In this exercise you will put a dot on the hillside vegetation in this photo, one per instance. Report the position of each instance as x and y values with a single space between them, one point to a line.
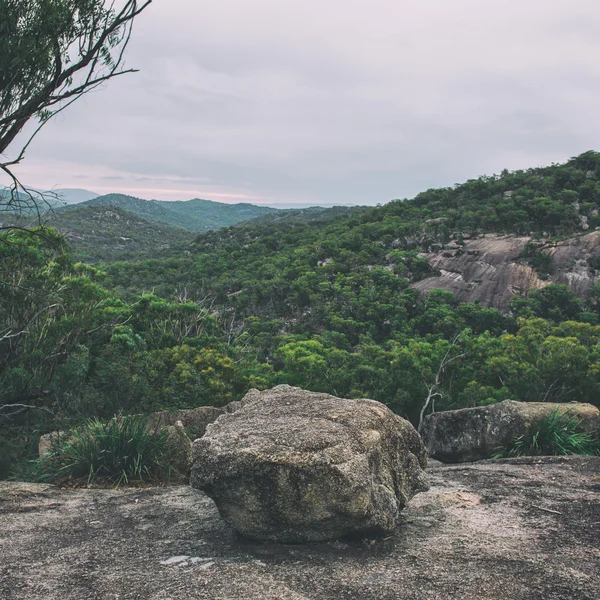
107 233
327 304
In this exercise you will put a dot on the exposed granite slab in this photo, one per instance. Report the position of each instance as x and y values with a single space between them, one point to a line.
516 529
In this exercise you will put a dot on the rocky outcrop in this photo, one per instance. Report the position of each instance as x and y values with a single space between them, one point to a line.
292 466
490 269
475 433
180 446
48 441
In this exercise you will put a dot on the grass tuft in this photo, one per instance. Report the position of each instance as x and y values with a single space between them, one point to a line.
122 450
558 434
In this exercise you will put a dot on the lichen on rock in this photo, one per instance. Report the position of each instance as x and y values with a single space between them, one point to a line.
293 466
476 433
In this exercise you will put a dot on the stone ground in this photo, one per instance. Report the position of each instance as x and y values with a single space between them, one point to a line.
514 529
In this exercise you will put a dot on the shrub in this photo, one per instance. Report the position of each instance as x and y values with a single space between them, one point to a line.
558 434
121 450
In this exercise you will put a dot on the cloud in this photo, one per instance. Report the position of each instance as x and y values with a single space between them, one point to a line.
332 101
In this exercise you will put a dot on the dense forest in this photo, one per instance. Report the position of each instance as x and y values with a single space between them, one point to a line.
323 302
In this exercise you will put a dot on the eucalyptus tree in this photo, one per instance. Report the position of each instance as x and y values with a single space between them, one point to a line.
52 52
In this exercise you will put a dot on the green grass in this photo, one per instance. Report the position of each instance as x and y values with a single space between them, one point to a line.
558 434
120 451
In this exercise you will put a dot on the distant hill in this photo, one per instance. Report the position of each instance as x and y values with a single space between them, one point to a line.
21 203
53 198
109 233
304 215
75 195
193 215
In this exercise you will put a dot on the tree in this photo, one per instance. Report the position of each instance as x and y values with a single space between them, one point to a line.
51 311
420 366
51 53
434 385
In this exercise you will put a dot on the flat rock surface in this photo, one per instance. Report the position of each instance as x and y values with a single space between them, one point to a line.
514 529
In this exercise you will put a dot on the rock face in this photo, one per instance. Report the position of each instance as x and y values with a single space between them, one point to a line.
475 433
295 466
488 269
181 452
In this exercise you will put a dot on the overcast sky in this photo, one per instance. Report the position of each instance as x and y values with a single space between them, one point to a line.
323 101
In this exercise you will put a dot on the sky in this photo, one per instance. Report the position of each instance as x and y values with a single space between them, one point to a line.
331 101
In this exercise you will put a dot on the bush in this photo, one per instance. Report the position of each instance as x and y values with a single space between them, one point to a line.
555 435
122 450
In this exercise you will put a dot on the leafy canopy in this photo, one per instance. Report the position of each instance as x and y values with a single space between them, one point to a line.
51 53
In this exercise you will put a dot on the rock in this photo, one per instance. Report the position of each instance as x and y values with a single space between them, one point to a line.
437 221
475 433
194 420
293 466
15 490
494 263
47 442
483 531
181 452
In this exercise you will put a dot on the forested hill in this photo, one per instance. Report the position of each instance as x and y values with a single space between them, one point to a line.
109 233
193 215
260 263
304 215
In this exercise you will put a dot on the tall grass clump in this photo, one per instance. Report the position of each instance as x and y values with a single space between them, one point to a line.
121 450
557 434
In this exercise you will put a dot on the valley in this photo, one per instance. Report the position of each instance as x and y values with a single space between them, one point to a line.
122 313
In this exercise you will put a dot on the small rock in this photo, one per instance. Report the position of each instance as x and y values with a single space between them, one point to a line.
174 560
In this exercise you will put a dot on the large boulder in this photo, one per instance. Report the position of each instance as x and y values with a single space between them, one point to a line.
293 466
475 433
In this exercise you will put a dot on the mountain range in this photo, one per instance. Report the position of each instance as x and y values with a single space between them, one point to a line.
53 198
193 215
118 227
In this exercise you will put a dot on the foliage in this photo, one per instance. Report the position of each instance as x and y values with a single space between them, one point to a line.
121 450
51 53
538 259
558 434
49 310
325 304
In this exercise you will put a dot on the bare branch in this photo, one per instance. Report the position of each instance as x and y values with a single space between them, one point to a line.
7 411
433 391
